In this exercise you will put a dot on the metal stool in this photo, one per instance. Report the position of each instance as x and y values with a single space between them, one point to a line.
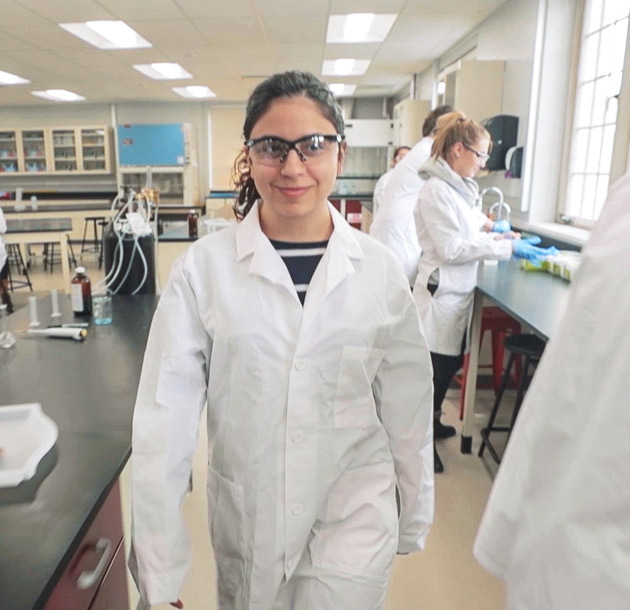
14 257
499 323
50 257
531 348
96 241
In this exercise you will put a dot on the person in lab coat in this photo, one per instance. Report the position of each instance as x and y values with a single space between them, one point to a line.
381 184
5 296
557 524
301 335
455 236
394 224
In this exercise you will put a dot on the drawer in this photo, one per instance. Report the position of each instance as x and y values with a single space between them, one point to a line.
112 594
81 579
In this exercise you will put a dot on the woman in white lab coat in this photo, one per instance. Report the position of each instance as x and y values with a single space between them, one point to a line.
557 524
381 184
318 387
455 236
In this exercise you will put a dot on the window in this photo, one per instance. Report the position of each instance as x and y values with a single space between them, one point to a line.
598 83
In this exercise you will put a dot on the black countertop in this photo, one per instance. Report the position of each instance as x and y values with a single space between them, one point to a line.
89 390
536 298
78 206
38 225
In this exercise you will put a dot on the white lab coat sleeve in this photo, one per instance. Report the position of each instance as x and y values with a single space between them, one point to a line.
171 396
404 396
442 219
3 222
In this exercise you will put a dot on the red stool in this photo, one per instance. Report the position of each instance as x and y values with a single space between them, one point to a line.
499 324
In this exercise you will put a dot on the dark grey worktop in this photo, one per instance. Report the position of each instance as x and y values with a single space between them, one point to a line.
535 298
38 225
89 390
78 206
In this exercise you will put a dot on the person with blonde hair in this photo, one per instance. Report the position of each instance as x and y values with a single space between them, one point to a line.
455 236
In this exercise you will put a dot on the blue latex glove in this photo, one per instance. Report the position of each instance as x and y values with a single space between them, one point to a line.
521 248
533 240
501 226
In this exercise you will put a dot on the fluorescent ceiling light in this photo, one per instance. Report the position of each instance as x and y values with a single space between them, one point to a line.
196 91
359 27
163 71
6 78
340 89
345 67
58 95
107 35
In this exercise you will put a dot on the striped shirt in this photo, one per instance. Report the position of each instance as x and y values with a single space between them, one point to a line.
301 260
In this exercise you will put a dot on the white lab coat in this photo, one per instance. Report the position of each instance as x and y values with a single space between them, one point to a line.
3 250
394 224
315 413
557 524
379 190
449 229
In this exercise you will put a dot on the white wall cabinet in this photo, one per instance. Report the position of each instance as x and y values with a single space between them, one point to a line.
408 118
369 132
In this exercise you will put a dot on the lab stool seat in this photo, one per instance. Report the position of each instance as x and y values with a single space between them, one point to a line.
499 324
93 244
15 259
531 348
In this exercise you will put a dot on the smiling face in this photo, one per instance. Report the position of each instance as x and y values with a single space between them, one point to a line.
465 161
294 191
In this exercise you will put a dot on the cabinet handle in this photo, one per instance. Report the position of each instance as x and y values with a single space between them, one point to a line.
88 579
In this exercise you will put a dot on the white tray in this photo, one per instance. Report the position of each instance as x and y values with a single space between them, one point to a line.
26 435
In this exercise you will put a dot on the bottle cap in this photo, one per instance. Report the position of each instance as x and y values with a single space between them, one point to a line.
80 270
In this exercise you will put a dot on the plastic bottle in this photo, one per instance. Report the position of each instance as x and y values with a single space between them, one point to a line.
81 295
192 223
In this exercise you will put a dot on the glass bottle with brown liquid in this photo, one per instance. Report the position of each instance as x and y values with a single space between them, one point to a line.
193 219
81 293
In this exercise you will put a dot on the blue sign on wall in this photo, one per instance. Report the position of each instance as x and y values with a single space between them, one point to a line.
151 145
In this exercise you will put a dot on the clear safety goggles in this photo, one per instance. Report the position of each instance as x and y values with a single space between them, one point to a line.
270 150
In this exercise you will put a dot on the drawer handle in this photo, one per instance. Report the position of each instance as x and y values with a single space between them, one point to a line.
88 579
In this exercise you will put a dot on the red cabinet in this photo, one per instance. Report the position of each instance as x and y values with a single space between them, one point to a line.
350 209
94 572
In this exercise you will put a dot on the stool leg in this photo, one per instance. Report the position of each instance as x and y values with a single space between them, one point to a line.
71 259
95 235
485 433
520 393
52 256
85 226
498 354
462 396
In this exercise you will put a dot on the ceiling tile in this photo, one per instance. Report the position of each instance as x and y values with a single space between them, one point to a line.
181 32
67 11
282 30
291 8
343 7
216 9
231 31
142 9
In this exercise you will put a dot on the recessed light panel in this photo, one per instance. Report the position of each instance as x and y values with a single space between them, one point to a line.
6 78
107 35
163 71
195 91
345 67
58 95
341 89
358 27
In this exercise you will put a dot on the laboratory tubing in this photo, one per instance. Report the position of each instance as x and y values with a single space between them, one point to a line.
7 338
81 293
32 311
192 223
102 309
54 303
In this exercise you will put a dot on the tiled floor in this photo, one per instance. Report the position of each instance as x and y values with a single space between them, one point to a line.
443 577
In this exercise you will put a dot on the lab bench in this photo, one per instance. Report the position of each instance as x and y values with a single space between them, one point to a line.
49 524
535 298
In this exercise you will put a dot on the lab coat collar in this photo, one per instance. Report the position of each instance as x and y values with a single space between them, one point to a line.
337 262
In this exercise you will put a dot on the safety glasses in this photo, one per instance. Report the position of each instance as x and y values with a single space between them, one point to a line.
480 155
273 151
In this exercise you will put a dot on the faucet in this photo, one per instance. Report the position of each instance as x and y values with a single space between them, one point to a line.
500 206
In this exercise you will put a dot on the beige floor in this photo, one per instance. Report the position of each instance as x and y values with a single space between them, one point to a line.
443 577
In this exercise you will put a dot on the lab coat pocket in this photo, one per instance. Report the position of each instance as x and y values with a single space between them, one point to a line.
226 510
354 405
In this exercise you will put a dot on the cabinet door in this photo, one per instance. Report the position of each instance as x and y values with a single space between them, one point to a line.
9 151
34 149
94 149
64 147
112 594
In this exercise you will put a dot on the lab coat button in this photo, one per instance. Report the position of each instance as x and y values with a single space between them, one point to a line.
297 509
298 437
299 365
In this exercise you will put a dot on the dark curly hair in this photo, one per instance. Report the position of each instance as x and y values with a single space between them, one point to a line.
286 84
